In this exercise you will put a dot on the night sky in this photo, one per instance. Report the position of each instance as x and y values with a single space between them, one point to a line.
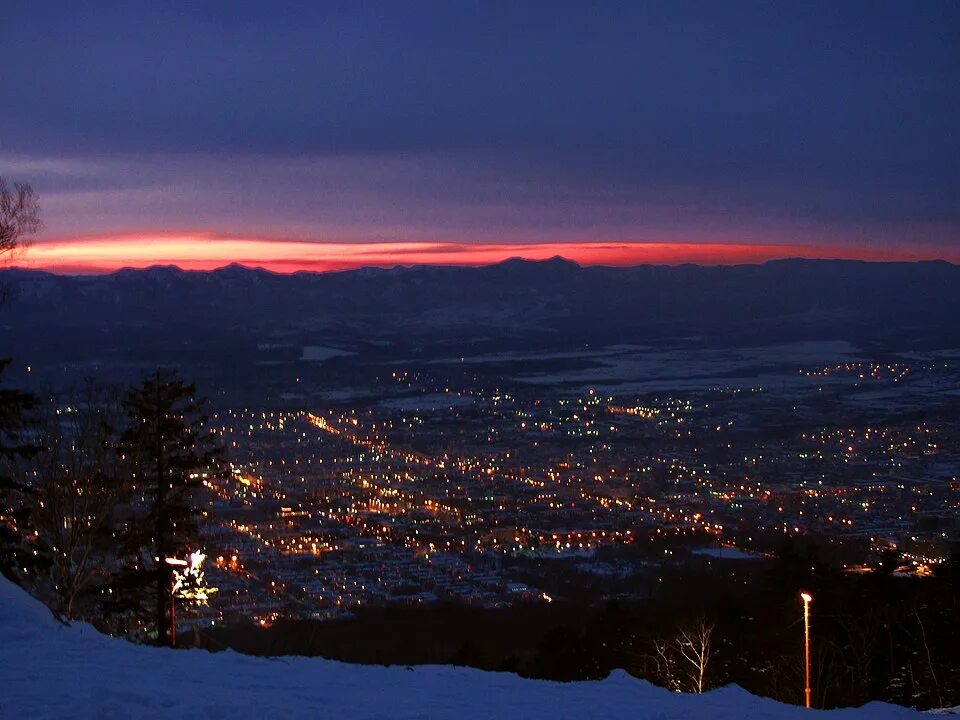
326 135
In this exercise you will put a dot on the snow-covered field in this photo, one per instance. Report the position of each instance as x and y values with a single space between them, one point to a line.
320 353
48 670
728 553
428 402
625 368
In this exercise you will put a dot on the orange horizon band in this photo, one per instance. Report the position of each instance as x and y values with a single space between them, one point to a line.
206 251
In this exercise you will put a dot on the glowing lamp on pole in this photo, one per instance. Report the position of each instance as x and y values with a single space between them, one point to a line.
807 599
174 562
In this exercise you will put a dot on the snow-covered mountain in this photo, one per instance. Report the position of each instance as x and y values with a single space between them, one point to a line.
48 670
793 299
72 327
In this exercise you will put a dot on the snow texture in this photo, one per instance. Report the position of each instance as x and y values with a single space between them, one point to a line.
49 670
728 553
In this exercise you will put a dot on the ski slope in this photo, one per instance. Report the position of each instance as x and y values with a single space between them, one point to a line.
49 670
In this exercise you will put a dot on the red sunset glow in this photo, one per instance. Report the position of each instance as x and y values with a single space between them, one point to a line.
204 251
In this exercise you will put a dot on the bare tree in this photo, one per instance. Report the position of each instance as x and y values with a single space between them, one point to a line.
665 661
77 491
681 662
693 644
930 664
19 216
857 647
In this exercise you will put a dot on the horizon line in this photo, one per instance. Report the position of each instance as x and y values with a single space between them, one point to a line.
413 266
204 251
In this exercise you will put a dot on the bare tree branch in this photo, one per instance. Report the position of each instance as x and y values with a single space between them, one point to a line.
694 645
77 491
19 216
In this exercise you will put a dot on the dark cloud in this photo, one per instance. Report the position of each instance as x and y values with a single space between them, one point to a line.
829 111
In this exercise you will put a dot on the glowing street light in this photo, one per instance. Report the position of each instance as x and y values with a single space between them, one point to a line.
174 562
187 583
807 599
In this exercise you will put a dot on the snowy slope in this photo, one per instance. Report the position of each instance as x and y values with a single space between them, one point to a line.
48 670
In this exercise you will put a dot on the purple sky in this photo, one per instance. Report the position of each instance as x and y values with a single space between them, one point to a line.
816 124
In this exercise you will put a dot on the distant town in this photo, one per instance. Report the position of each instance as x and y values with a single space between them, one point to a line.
458 491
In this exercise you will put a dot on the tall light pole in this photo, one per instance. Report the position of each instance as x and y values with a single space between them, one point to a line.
807 599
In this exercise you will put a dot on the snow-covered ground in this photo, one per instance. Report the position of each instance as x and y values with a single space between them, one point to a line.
728 553
320 353
48 670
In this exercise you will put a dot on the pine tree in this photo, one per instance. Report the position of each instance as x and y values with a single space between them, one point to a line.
168 450
18 555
